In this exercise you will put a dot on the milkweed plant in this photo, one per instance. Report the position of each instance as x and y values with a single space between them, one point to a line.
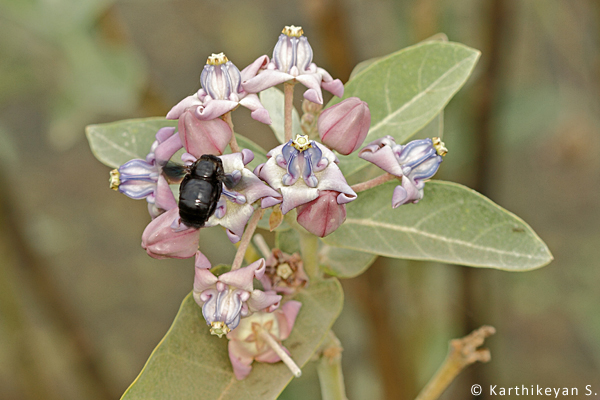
347 183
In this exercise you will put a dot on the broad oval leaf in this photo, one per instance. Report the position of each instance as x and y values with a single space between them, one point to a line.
115 143
344 263
190 364
407 89
273 100
452 224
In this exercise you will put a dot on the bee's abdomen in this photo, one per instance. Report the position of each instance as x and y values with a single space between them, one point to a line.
198 199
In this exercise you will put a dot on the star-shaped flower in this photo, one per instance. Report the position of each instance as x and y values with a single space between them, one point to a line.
229 297
322 191
222 92
292 61
414 163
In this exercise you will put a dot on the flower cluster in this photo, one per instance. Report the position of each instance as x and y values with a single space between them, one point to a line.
300 177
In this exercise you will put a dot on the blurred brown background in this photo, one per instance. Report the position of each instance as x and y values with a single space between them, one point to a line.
82 305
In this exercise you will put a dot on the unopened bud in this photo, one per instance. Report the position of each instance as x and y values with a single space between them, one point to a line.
344 126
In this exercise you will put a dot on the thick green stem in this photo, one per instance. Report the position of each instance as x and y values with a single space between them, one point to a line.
329 370
288 91
309 247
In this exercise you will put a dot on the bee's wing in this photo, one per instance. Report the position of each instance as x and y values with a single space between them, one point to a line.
174 172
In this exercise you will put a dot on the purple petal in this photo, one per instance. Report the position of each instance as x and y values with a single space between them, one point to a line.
259 112
164 133
251 70
179 108
265 80
290 311
168 147
292 197
242 278
137 189
203 280
138 170
247 156
313 83
242 364
201 261
380 153
164 198
260 300
335 87
214 108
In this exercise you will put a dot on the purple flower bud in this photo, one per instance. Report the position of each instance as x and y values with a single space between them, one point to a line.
323 215
344 126
203 137
161 241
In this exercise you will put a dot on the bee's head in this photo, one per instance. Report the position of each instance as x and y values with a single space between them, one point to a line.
208 166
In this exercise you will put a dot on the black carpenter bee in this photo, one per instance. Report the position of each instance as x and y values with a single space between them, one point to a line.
200 189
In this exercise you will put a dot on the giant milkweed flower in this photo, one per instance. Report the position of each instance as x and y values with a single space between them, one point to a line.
142 179
292 61
317 166
414 163
222 92
226 298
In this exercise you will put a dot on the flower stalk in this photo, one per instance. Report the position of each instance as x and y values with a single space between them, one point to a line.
380 180
309 247
235 148
288 92
246 237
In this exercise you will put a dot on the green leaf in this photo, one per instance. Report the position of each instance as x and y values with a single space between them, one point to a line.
273 100
452 224
191 364
115 143
344 263
407 89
